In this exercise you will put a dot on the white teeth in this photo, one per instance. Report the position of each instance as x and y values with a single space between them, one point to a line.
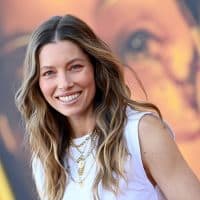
69 98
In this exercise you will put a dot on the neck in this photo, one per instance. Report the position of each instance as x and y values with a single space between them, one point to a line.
81 126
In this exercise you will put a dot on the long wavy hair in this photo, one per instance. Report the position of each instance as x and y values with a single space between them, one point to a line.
48 132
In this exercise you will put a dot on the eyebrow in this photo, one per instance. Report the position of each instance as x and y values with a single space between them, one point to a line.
68 63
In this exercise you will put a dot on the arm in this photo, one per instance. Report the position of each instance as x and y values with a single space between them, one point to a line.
164 161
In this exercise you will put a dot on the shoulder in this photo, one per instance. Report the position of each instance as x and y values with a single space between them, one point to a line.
154 130
148 132
153 125
155 136
133 114
158 150
147 121
164 161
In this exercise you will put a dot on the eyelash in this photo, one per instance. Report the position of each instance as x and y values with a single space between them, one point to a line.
76 67
47 73
138 42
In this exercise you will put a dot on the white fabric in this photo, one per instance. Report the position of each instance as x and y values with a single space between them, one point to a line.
138 188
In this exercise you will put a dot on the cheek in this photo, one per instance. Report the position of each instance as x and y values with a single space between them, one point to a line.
90 87
46 88
87 79
89 84
93 88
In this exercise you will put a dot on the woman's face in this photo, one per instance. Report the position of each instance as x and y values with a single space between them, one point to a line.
154 38
67 78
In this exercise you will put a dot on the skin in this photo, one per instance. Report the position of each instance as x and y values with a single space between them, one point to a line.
164 161
65 70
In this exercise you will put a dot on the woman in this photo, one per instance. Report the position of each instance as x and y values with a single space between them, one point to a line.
88 139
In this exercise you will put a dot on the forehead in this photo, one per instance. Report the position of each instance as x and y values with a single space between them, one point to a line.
60 51
63 46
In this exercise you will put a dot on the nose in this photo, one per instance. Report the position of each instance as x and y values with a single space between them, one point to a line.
65 81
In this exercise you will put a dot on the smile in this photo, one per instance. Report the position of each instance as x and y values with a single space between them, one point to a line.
69 98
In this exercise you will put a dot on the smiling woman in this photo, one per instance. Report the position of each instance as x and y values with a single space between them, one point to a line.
67 79
88 139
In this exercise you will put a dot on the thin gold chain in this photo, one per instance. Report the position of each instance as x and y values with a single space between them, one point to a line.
92 138
81 144
81 160
81 180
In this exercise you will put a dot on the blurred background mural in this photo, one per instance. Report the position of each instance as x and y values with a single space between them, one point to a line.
160 40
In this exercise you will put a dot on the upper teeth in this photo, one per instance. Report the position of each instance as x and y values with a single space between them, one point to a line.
69 98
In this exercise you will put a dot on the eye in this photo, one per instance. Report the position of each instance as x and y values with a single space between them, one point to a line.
138 43
48 73
76 67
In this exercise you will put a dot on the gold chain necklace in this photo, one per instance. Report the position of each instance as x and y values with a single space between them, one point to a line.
81 160
80 181
82 143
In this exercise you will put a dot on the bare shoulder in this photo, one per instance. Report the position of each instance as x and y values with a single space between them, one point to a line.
162 158
153 129
158 148
156 141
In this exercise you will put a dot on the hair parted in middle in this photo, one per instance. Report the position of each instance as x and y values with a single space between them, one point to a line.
48 131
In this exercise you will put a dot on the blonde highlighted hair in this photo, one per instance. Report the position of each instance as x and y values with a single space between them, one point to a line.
48 132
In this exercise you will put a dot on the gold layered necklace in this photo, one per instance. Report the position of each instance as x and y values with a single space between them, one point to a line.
83 156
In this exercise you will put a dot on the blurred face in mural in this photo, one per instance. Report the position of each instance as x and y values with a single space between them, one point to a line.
155 39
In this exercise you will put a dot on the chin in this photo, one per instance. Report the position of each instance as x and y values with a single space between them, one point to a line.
72 112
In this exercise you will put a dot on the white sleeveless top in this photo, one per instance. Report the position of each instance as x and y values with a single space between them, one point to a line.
138 188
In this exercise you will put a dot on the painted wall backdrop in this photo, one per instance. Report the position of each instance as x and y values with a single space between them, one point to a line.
159 40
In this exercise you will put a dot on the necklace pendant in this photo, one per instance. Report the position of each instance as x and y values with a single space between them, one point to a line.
81 183
81 167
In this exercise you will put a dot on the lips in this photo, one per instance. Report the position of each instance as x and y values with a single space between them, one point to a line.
69 98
